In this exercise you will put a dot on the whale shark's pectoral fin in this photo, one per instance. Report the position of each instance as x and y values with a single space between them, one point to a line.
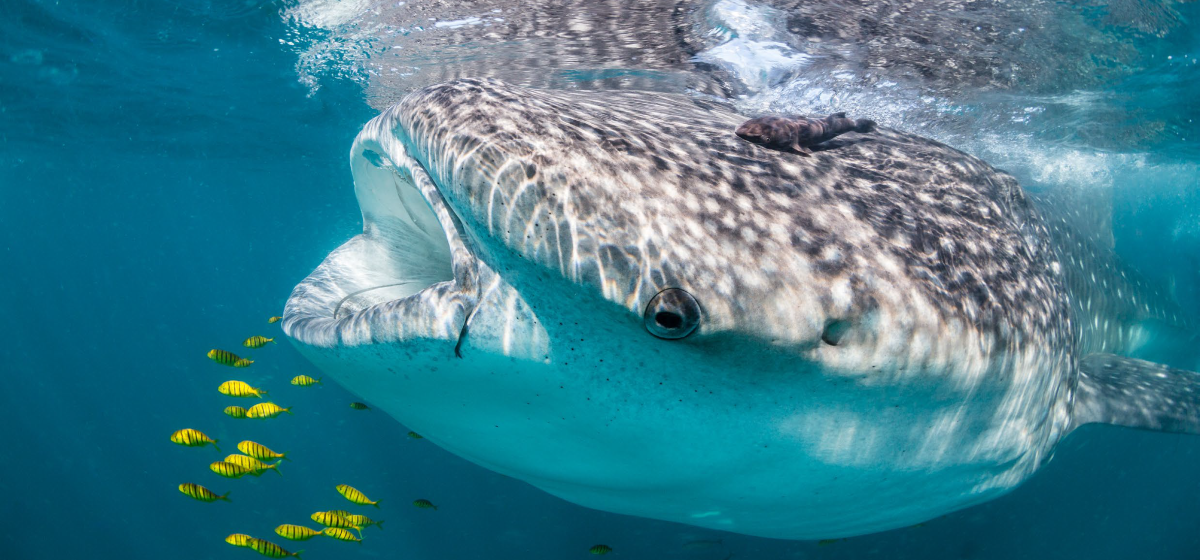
1137 394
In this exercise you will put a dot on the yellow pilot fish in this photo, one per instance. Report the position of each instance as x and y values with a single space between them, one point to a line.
238 539
296 532
257 341
235 388
355 496
270 549
193 438
228 358
253 465
201 493
266 410
424 504
235 411
362 520
228 470
304 381
331 519
260 451
341 534
274 319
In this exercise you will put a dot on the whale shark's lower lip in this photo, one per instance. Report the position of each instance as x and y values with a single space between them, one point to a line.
408 275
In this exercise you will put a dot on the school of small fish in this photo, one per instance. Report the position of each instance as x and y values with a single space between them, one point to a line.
255 459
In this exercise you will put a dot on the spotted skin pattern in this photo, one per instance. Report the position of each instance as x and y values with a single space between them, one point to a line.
890 329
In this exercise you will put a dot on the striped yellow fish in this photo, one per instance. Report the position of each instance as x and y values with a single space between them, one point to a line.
193 438
341 534
600 549
228 470
266 410
296 532
253 465
235 388
362 520
235 411
304 381
274 319
330 519
424 504
355 496
228 358
257 341
238 539
359 406
415 435
260 451
270 549
201 493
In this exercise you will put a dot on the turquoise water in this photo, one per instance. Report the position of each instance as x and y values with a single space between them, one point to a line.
166 178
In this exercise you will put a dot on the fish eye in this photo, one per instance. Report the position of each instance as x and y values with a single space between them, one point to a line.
672 314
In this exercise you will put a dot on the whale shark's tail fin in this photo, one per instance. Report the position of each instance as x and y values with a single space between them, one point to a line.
1137 394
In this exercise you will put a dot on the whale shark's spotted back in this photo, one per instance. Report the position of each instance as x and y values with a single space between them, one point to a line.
874 214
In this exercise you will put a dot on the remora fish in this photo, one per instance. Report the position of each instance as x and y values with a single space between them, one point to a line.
741 339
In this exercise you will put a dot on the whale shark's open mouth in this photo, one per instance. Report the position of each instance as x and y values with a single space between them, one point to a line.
393 281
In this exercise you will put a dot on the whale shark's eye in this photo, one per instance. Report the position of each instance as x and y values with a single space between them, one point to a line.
672 314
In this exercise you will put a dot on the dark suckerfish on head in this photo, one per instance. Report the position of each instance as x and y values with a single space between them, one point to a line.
800 134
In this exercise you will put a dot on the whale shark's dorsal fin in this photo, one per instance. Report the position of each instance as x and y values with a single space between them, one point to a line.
1137 394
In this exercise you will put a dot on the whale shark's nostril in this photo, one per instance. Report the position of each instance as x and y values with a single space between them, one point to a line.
672 314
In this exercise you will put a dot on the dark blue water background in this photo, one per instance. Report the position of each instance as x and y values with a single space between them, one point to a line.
165 181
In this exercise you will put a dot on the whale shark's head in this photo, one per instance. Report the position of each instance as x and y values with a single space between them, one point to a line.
613 297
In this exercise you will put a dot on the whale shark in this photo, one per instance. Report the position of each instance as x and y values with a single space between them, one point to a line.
612 297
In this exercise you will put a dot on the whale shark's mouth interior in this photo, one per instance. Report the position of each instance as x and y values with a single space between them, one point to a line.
403 249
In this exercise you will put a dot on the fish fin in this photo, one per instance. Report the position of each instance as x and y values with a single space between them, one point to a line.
1136 394
275 468
297 553
839 115
225 497
288 410
214 442
284 457
376 504
801 150
379 524
272 341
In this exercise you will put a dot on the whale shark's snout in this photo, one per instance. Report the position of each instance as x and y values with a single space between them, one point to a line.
614 298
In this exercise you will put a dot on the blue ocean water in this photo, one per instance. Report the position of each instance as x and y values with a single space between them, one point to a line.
166 178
